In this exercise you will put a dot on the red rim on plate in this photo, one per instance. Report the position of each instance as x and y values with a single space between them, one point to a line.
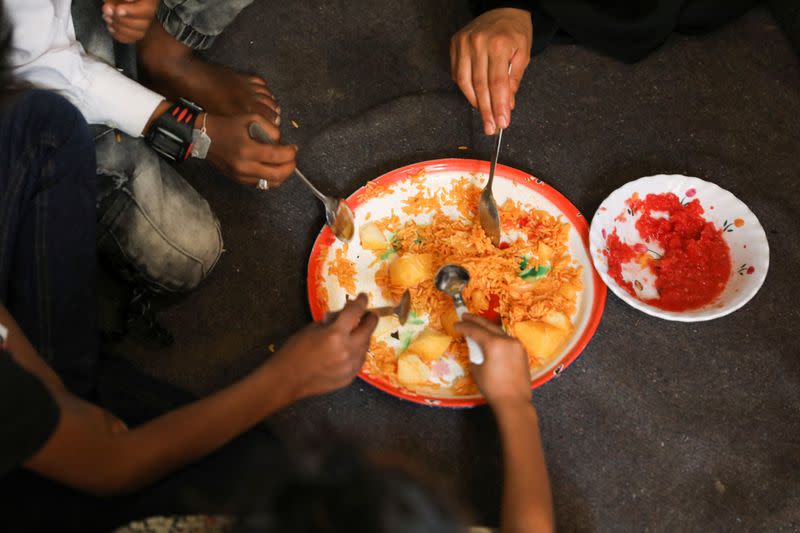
571 213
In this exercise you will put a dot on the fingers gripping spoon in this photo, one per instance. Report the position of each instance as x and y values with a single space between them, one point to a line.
338 214
452 280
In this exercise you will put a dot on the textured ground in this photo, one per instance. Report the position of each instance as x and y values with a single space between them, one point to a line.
659 426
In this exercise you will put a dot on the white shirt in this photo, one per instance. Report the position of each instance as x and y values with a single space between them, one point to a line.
45 53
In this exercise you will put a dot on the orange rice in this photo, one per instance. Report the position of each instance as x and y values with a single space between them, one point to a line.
344 270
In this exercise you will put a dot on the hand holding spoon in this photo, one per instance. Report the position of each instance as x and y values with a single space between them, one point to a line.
338 214
452 280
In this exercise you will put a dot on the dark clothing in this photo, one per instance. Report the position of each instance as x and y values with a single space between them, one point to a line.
28 414
47 232
625 30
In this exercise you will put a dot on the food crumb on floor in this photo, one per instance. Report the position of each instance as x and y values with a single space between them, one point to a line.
720 486
462 148
295 124
271 348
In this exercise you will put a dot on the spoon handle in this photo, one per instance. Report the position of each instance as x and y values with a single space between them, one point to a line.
475 352
258 134
310 185
495 157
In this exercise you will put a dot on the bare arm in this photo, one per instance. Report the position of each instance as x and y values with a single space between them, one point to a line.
527 503
504 379
94 451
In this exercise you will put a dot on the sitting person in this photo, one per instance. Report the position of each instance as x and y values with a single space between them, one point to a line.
506 33
153 226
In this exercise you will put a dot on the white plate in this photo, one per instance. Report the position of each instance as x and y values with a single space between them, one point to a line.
741 230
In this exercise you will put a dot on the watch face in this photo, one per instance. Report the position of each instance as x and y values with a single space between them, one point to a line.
167 144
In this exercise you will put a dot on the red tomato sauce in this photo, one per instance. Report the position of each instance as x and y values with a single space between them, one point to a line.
696 263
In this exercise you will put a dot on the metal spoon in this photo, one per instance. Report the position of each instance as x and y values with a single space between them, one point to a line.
452 280
401 310
487 207
338 214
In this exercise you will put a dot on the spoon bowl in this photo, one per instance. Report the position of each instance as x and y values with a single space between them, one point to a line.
402 310
452 280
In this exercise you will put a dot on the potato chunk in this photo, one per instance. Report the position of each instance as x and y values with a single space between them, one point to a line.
539 338
557 319
410 270
412 371
430 345
449 320
372 237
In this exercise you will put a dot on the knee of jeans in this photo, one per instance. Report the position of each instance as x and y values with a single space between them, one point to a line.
156 257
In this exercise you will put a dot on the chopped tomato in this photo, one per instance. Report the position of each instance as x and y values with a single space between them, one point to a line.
492 313
503 245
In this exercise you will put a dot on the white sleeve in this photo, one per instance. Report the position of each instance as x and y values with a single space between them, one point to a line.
46 54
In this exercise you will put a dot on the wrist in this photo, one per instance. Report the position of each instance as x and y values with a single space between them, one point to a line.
160 109
289 382
512 407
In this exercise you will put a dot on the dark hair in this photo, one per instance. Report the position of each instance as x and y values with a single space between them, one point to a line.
338 489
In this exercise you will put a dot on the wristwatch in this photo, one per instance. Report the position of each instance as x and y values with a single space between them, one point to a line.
172 134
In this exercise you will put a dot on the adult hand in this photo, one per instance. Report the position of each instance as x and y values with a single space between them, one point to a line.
480 54
243 159
326 356
128 20
504 377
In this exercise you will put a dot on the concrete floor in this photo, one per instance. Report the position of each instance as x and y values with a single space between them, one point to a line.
658 426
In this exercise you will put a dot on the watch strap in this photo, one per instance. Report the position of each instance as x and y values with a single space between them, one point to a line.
171 134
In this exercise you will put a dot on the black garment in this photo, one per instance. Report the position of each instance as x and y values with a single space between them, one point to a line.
625 30
47 231
28 414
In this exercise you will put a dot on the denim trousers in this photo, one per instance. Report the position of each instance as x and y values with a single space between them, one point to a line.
154 228
47 231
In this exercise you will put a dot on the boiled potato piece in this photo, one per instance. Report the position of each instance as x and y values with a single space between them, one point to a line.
543 252
386 325
410 270
449 320
430 344
372 237
557 319
411 371
539 338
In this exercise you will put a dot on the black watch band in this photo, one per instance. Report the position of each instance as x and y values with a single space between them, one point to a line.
171 133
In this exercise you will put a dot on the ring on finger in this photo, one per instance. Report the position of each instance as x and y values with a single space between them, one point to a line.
262 185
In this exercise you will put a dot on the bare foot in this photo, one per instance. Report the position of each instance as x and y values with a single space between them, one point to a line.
172 69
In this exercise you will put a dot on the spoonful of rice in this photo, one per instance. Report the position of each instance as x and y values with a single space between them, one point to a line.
452 280
338 214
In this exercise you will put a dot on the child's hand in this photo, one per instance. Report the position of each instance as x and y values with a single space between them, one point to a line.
128 20
504 377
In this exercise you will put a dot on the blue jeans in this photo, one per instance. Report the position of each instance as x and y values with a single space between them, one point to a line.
153 227
47 231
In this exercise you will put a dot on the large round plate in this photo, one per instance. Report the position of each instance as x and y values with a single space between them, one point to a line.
740 229
509 183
